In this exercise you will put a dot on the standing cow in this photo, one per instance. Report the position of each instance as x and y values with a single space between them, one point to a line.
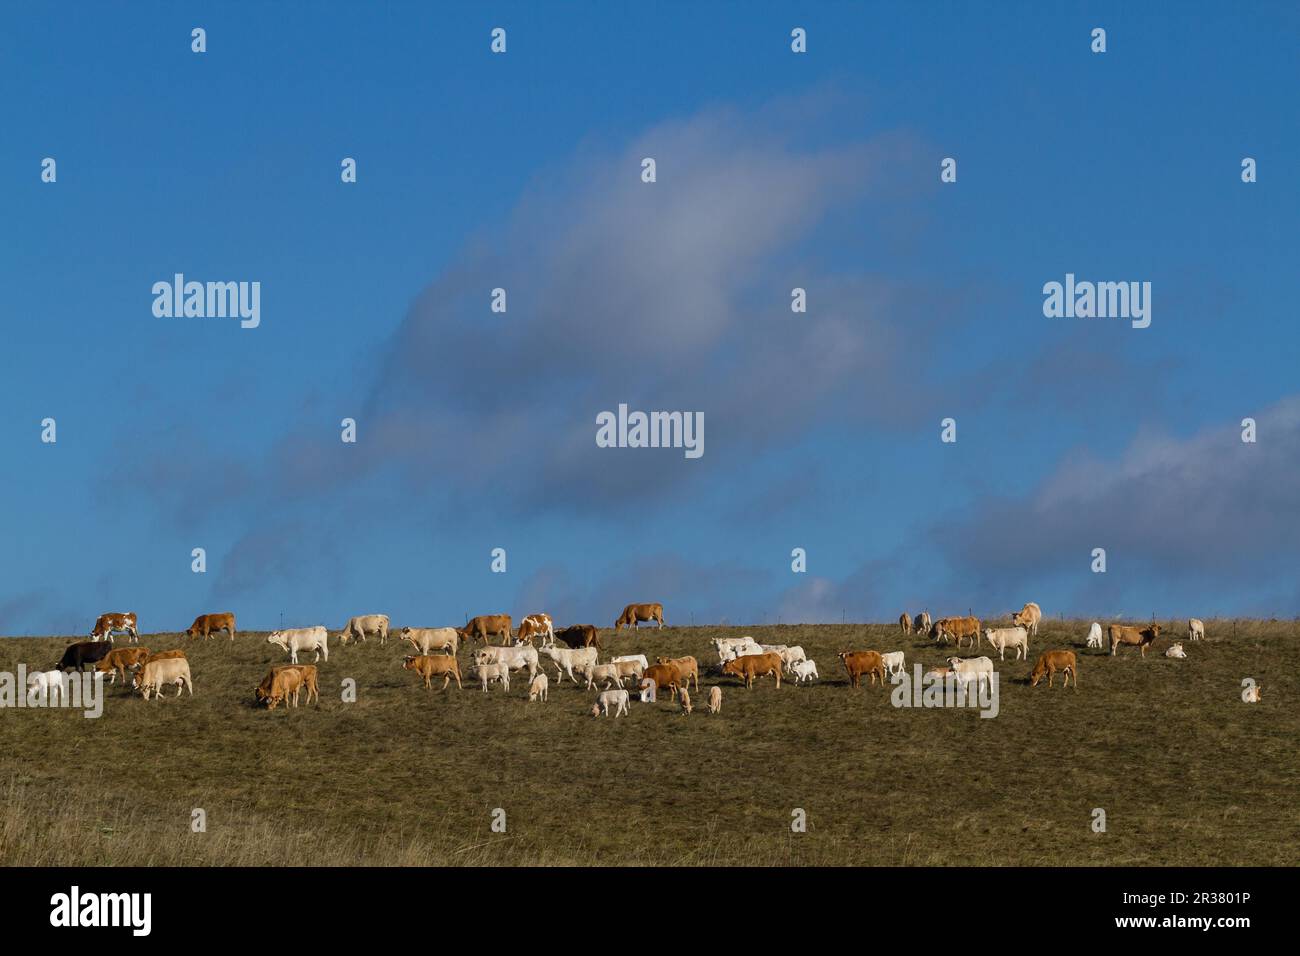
205 625
634 614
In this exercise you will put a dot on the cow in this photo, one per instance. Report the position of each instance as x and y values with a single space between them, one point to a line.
578 635
751 666
978 669
40 683
1140 637
537 689
429 666
715 700
957 628
1028 618
485 625
858 663
805 671
634 614
895 663
922 624
358 628
298 639
1252 694
566 659
664 676
271 691
1000 638
536 625
1049 662
426 639
1176 651
77 655
1195 629
607 673
793 655
155 675
629 667
118 662
175 652
516 658
205 625
686 702
937 674
905 622
106 625
742 649
607 699
488 673
1094 635
687 666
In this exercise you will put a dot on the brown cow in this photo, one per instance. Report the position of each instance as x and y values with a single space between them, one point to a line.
664 675
164 655
106 624
755 665
280 684
534 625
635 613
1140 637
579 635
429 666
119 661
209 624
687 666
485 625
957 628
905 622
309 681
1049 662
858 663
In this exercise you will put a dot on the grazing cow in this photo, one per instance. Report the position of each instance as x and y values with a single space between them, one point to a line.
106 625
687 666
1094 635
271 691
537 689
1049 662
608 673
633 668
205 625
298 639
607 699
487 673
358 628
686 702
905 622
634 614
516 658
958 629
77 655
922 623
978 669
566 659
1140 637
427 639
155 675
536 625
485 625
118 662
429 666
1000 638
1195 629
804 671
793 655
1176 650
1028 618
858 663
1252 694
715 700
894 663
664 676
578 635
41 683
751 666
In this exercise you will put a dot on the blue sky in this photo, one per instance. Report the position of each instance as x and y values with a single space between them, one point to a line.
775 170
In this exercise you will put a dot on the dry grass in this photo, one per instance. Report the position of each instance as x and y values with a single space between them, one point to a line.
1187 773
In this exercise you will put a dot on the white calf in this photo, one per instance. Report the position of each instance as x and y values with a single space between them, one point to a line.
1177 651
610 698
804 671
1094 635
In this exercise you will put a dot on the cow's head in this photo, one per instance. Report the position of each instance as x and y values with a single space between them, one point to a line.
953 662
408 663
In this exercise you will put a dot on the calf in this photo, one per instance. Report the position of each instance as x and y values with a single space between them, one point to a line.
1049 662
488 673
805 671
686 702
1195 629
894 663
41 683
905 622
979 669
298 639
1094 635
793 655
519 657
118 662
607 699
537 689
1176 650
858 663
715 700
608 673
429 666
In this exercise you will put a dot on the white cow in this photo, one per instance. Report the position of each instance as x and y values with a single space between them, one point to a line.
894 663
607 699
598 673
155 675
516 657
804 671
775 648
1176 650
488 673
979 669
793 655
42 682
357 628
1094 635
297 639
427 639
1000 638
729 648
567 658
537 689
1195 629
639 658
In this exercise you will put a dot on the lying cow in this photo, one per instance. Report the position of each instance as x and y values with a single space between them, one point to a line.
429 666
1049 662
1176 651
1139 637
363 626
607 699
425 640
298 639
1000 638
205 625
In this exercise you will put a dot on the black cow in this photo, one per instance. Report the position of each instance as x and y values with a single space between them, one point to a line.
83 652
579 635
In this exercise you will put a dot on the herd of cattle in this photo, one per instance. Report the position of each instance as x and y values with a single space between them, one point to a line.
574 652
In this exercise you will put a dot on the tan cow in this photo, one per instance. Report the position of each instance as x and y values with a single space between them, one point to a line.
664 675
1195 629
751 666
120 660
1049 662
905 622
687 666
1139 637
485 625
858 663
157 674
426 639
206 625
429 666
958 629
364 625
715 699
1028 618
633 614
271 692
